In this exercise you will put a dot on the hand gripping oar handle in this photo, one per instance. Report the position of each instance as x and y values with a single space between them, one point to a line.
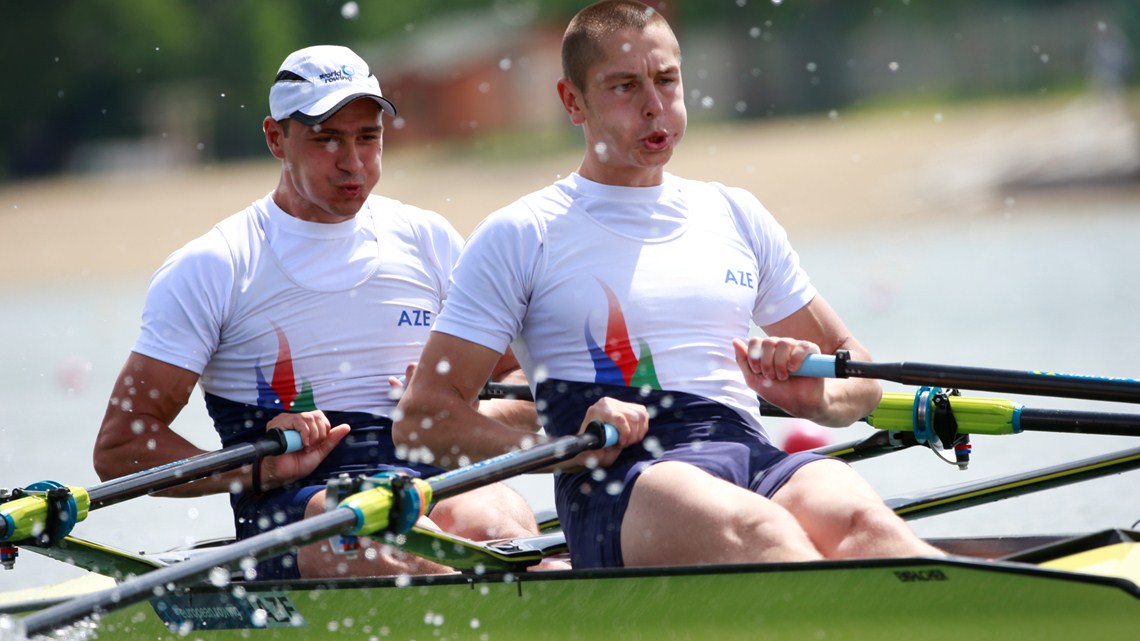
23 517
340 520
1123 390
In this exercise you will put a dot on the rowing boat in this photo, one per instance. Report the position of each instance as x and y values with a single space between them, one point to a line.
1063 586
1067 588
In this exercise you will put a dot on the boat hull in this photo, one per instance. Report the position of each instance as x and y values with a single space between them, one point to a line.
948 599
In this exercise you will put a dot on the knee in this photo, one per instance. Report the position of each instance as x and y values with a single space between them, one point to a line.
873 520
494 512
770 536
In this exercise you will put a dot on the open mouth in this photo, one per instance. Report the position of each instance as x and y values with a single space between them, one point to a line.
657 140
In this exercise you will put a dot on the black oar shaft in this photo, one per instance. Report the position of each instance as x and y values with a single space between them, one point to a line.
147 585
1030 420
982 492
310 529
1078 422
179 472
996 380
515 463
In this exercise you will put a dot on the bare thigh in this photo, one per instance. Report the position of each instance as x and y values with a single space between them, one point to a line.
679 514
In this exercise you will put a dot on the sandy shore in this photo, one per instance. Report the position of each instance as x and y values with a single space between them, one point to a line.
824 174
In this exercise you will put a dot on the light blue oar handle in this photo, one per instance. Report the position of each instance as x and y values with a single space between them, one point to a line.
605 433
292 441
817 366
612 435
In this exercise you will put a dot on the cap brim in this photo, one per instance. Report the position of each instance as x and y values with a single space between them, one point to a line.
310 119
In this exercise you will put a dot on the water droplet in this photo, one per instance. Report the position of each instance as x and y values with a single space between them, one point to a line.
219 577
653 446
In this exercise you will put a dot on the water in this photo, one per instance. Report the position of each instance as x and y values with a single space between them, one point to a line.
1040 289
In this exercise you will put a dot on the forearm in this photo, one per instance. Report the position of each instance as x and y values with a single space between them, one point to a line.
519 415
848 401
456 434
119 452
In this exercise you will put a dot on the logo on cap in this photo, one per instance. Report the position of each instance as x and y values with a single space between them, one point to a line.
344 73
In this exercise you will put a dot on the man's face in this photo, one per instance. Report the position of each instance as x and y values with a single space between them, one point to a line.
330 169
632 108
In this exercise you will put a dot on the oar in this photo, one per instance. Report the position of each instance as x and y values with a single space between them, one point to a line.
47 511
1038 383
364 513
969 494
975 415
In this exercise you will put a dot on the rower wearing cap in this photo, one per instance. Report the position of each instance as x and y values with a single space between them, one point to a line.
296 312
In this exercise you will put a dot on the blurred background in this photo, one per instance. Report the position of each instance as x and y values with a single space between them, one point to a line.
960 179
103 85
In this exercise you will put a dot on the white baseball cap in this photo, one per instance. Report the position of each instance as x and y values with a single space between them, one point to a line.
315 82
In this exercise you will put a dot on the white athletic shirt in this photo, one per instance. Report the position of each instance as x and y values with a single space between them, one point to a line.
275 311
628 285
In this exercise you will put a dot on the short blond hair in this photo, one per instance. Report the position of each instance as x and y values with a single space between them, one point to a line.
581 42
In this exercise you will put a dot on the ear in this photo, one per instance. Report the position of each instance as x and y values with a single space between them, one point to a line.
572 101
274 137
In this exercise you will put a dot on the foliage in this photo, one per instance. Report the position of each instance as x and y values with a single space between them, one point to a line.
93 71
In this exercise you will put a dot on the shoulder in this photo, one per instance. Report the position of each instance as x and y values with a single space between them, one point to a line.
526 217
743 204
737 197
401 216
216 247
217 253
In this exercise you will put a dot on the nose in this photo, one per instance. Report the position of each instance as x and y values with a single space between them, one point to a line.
349 157
654 105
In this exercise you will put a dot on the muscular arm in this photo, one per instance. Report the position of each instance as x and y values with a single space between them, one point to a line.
520 414
135 434
437 410
767 363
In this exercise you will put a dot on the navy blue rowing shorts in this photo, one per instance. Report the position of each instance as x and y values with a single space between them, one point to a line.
693 430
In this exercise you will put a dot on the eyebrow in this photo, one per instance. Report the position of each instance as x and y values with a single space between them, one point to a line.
334 130
619 75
